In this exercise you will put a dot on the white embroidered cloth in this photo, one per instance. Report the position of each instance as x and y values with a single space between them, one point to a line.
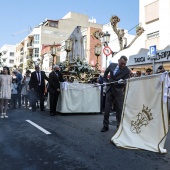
144 123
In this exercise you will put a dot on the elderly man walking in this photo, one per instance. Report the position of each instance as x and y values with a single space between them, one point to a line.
55 77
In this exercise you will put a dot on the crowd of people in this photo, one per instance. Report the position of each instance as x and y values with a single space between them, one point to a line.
149 71
29 90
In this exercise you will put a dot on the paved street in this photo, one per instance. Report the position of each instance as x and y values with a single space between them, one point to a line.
75 142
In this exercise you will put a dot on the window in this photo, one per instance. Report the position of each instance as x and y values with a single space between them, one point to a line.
4 60
11 61
153 35
53 24
36 52
11 54
36 38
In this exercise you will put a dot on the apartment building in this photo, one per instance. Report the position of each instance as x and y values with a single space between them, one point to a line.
153 16
48 33
7 55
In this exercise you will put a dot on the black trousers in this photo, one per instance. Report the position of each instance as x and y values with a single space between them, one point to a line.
13 102
19 94
53 101
37 95
110 97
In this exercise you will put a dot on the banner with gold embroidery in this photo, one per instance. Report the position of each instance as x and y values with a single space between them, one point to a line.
144 123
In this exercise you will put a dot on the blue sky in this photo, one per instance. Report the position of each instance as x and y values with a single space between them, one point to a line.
17 16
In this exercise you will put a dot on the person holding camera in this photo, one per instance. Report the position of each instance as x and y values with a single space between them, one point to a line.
115 91
160 69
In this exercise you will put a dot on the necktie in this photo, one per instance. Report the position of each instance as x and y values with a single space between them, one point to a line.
116 70
38 76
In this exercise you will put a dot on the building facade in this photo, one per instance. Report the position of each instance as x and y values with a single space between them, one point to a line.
7 56
153 16
48 33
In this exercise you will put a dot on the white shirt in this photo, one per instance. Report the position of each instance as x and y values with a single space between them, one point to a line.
116 69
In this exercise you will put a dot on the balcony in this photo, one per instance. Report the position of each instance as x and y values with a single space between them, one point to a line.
30 45
28 57
22 50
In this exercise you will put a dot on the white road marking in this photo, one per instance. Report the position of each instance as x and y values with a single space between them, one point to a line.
39 127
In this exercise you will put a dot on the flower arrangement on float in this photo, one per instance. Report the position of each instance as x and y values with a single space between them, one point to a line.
80 70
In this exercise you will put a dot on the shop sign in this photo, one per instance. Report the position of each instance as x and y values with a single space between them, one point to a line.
165 54
160 56
138 60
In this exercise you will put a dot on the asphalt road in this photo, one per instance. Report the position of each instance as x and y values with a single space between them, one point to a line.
75 143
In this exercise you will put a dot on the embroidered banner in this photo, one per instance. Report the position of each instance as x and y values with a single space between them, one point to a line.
144 123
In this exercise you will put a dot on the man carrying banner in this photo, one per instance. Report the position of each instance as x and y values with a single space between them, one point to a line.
115 91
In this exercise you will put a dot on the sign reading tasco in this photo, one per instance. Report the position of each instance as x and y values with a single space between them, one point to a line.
159 56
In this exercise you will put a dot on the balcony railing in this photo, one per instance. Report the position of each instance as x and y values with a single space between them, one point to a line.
29 44
28 57
21 50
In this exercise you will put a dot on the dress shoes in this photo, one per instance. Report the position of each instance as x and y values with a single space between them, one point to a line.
104 129
52 114
42 110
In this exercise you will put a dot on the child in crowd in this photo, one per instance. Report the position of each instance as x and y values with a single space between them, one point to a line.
14 93
25 89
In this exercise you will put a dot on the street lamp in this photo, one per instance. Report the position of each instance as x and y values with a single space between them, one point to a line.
105 39
97 52
53 52
68 48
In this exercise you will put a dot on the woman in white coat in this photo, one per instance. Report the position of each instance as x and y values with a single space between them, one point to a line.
5 91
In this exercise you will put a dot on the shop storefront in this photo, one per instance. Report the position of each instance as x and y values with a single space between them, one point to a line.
142 61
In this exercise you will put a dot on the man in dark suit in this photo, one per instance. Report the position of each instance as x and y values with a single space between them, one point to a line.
55 77
115 91
37 87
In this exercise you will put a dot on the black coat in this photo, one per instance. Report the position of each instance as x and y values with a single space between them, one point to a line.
123 74
34 81
54 82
